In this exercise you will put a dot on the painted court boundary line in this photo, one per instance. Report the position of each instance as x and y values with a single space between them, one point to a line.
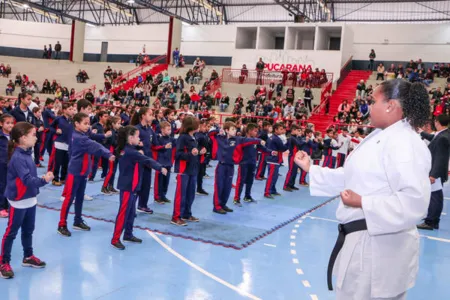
188 237
200 269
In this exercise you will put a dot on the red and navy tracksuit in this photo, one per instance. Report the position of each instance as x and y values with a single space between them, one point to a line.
148 139
294 144
131 168
228 152
47 137
37 123
186 168
80 149
96 159
125 119
4 139
164 157
329 160
203 141
307 147
273 162
63 139
316 155
20 116
246 170
21 190
111 145
262 164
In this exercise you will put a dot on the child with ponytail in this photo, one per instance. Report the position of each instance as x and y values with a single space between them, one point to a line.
21 190
131 168
6 123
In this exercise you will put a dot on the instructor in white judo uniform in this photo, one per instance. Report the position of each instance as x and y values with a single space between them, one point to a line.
385 191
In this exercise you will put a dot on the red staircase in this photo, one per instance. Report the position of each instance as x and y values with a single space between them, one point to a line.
345 91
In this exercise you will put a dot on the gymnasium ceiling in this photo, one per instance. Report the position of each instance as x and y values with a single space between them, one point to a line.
132 12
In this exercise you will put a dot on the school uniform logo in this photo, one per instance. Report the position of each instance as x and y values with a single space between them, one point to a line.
255 146
232 143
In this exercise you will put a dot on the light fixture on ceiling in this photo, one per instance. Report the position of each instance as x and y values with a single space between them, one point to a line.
130 1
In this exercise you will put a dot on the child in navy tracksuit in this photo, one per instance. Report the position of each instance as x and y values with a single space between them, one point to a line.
47 137
317 148
6 123
100 126
113 125
21 190
262 165
228 150
247 166
308 147
203 141
274 161
294 143
142 121
39 131
131 167
80 150
62 129
163 154
186 168
328 147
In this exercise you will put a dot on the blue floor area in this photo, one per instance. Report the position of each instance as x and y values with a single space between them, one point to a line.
290 263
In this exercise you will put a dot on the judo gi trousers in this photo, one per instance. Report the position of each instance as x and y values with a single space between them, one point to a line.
74 189
161 184
19 218
291 174
184 196
272 180
125 216
223 181
246 175
261 166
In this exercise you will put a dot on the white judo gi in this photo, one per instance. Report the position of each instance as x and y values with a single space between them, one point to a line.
389 169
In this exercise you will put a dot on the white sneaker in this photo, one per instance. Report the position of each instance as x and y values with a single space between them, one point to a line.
88 198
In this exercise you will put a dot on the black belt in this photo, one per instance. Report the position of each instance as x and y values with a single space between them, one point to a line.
344 229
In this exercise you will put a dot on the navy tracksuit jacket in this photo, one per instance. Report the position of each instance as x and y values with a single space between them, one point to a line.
4 139
37 147
22 183
131 168
47 137
111 144
186 168
165 158
203 141
308 147
294 144
96 159
81 149
228 152
274 162
262 165
61 156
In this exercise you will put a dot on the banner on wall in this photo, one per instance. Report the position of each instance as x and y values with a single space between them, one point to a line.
289 67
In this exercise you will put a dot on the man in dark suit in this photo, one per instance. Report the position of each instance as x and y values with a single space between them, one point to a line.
440 151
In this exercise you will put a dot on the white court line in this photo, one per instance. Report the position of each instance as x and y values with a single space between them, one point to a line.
201 270
293 252
294 231
270 245
324 219
295 261
447 198
306 283
292 237
292 244
299 271
314 297
300 221
436 238
296 225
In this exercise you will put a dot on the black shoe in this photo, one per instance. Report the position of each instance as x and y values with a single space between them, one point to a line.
294 188
220 211
287 189
160 201
62 230
269 196
237 203
425 226
133 239
202 193
276 194
113 190
106 191
91 180
118 245
436 226
82 226
249 199
167 200
227 209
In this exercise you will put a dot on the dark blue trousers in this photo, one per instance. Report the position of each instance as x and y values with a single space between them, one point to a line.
272 180
435 208
261 166
329 162
223 181
3 202
74 190
246 175
161 185
184 196
291 174
144 193
37 150
61 164
201 174
340 160
111 176
125 216
23 219
95 167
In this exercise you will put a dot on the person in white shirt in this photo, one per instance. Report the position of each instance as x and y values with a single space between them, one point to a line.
334 153
385 192
356 139
344 142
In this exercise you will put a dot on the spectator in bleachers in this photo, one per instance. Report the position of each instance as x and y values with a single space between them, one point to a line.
108 72
57 50
139 60
181 62
50 51
361 88
176 57
46 87
45 52
380 72
10 88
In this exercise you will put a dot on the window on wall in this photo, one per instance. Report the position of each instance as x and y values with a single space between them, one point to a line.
279 43
335 43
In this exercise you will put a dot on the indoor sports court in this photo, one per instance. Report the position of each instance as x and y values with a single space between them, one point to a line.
313 66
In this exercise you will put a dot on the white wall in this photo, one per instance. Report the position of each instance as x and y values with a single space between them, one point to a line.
430 42
78 45
30 35
128 39
208 40
321 41
346 44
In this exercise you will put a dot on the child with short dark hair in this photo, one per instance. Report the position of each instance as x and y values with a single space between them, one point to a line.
22 188
294 143
262 165
6 123
39 131
112 125
203 141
